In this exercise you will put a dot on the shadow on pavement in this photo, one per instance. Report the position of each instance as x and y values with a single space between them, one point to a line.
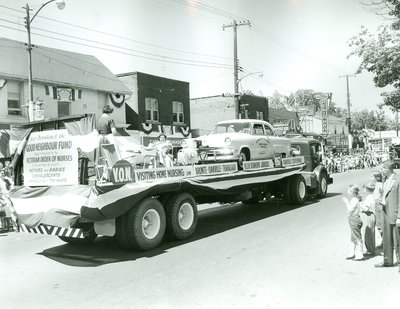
211 221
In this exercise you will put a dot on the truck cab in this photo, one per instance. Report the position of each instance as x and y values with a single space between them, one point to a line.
310 148
314 172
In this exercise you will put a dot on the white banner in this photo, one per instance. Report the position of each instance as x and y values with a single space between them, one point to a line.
50 159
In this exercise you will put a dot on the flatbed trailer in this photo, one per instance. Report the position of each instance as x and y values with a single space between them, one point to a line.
140 214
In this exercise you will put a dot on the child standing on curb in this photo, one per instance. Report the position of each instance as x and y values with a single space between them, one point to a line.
353 211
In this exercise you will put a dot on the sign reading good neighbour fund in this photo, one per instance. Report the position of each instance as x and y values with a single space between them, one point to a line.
50 159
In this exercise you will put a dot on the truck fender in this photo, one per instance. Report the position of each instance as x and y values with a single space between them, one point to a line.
319 170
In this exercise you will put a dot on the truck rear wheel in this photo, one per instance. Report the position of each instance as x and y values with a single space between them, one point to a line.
323 185
181 214
298 189
143 226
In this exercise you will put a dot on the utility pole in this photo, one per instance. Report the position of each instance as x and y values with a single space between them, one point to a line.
234 25
348 107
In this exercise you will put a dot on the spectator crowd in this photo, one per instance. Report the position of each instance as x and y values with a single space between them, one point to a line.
338 163
7 219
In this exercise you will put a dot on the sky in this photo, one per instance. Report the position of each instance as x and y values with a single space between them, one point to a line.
296 44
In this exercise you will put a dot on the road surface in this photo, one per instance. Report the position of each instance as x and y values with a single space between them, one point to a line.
263 256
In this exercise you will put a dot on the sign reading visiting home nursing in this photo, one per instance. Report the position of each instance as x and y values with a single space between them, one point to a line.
50 159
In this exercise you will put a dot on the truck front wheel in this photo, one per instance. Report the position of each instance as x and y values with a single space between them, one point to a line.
181 216
298 189
323 185
144 225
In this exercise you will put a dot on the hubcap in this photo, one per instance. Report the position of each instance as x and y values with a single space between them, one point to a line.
302 190
186 216
151 223
323 185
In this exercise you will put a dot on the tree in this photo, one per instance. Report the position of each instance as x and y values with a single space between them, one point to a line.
303 97
380 53
374 120
277 100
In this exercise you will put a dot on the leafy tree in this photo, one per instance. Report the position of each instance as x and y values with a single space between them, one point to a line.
277 100
379 53
374 120
303 97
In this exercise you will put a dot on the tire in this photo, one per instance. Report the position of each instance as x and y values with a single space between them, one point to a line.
143 227
89 236
298 189
287 196
322 185
181 214
244 155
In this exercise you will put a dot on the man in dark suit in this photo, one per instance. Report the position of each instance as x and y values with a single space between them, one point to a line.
391 215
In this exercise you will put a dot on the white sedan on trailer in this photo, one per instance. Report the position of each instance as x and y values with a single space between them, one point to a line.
242 140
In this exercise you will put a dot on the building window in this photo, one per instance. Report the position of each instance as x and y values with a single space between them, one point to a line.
64 109
151 109
14 98
177 112
260 115
246 114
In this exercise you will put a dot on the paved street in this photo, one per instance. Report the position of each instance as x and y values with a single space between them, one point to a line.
264 256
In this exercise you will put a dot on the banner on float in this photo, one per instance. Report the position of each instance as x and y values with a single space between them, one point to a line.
214 169
257 165
292 161
50 159
163 173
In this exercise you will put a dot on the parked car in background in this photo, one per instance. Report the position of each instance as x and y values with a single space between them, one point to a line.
242 140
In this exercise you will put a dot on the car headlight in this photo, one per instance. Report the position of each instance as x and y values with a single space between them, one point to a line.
228 141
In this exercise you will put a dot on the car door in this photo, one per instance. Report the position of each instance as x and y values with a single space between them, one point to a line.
278 144
261 143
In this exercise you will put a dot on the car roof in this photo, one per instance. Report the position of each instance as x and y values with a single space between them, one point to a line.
242 121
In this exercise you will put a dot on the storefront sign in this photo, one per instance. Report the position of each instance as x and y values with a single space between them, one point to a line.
50 159
39 114
64 94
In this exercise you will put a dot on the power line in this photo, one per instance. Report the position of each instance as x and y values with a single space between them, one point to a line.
119 36
163 58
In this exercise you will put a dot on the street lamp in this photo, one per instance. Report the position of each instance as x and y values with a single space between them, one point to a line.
260 74
28 21
236 95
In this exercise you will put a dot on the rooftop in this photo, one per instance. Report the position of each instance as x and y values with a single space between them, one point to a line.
57 67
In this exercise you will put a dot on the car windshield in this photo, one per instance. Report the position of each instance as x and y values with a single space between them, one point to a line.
232 128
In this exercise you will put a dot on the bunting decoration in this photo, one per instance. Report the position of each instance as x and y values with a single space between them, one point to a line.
117 99
147 127
184 130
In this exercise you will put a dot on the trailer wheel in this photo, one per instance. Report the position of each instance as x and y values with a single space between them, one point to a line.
89 236
323 185
181 216
144 225
298 189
